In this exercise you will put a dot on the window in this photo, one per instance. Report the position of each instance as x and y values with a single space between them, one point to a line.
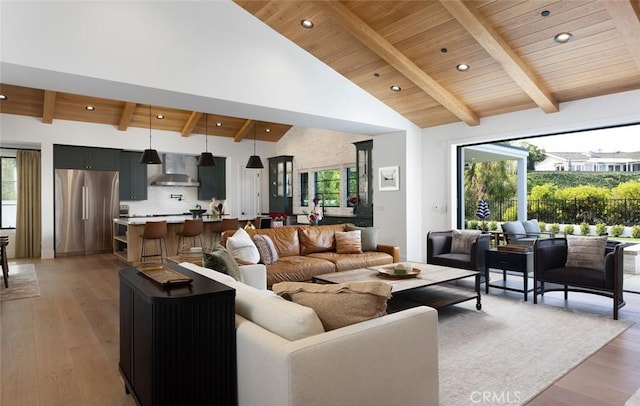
304 189
9 181
327 186
352 185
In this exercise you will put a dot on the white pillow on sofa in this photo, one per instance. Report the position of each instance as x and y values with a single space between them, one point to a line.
242 247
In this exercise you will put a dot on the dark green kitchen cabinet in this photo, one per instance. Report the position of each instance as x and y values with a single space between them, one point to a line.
75 157
133 176
213 181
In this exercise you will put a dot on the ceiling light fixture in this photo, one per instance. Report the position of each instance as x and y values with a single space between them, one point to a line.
463 67
160 116
545 13
395 88
3 97
150 156
254 160
308 24
218 124
563 37
206 158
89 108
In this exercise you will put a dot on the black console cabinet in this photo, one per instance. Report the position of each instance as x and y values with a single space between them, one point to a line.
177 345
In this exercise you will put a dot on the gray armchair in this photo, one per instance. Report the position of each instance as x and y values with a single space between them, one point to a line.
439 251
521 232
550 257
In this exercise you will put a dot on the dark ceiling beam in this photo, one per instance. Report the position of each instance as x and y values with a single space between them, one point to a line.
497 47
385 50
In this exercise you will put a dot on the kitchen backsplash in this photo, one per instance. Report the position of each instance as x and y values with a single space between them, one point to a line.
159 201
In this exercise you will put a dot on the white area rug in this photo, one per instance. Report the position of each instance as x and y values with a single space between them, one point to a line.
23 283
511 351
634 400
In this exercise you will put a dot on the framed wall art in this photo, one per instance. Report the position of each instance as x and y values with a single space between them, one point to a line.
388 178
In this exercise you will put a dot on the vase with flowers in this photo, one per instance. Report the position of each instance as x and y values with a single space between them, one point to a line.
278 219
315 215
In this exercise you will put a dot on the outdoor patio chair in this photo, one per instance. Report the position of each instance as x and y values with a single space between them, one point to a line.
521 232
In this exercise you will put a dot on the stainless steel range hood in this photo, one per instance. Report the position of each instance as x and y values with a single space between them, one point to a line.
173 172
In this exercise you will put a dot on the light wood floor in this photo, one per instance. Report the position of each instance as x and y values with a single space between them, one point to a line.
62 348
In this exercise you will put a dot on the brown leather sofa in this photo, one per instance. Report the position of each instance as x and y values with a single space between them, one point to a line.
305 251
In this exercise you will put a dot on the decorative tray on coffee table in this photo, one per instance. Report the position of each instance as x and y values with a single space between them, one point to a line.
165 276
388 272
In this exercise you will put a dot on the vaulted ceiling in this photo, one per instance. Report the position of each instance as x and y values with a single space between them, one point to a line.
508 45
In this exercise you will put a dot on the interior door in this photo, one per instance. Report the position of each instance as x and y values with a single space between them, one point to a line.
250 193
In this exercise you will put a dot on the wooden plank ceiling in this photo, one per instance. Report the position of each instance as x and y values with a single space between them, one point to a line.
515 64
509 45
51 106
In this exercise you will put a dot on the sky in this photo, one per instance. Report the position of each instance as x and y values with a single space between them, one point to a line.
626 139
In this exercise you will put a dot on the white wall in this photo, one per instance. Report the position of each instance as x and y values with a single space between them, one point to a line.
22 129
439 143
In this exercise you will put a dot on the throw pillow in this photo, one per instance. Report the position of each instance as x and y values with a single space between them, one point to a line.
368 236
586 252
222 261
266 248
241 246
339 305
461 240
348 242
531 227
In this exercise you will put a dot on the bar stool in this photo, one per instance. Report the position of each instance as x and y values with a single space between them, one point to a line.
4 241
190 229
154 230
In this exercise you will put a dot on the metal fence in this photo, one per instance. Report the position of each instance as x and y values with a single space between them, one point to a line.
569 211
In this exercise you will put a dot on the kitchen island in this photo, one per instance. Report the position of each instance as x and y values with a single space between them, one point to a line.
127 235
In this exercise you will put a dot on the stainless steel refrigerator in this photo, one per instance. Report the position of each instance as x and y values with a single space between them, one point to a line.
86 202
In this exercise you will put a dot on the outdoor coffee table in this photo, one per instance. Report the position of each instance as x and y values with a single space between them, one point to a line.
431 287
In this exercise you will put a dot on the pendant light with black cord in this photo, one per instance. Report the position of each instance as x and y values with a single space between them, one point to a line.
254 160
206 158
150 156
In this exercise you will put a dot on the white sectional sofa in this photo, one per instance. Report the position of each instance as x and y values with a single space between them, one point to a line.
286 359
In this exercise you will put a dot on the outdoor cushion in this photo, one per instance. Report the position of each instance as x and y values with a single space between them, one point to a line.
514 229
531 227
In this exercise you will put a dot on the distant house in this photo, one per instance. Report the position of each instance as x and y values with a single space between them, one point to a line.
591 162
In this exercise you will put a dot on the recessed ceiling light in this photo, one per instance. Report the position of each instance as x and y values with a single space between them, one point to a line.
545 13
444 50
377 75
3 97
218 124
267 130
160 116
308 24
395 88
563 37
463 67
89 108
